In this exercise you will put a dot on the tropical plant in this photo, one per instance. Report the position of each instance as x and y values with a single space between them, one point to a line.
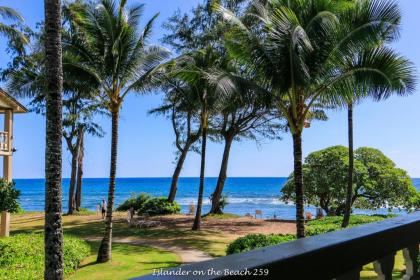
26 78
9 197
315 227
78 118
158 206
20 261
378 183
117 56
201 71
253 241
199 28
190 32
386 31
181 107
135 201
300 52
54 256
12 31
245 115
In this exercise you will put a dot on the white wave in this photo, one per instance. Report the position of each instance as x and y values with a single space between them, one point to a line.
234 200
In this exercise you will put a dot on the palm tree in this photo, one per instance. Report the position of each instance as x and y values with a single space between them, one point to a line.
390 28
11 31
54 263
26 77
198 69
118 57
300 52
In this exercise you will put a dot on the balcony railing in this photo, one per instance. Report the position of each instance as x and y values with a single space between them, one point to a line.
4 141
336 255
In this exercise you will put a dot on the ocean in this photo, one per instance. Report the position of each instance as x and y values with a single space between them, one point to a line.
245 195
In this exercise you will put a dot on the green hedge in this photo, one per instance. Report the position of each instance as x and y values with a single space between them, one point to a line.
328 224
159 206
253 241
135 201
22 256
315 227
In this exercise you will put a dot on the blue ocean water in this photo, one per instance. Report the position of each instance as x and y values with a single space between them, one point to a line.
245 195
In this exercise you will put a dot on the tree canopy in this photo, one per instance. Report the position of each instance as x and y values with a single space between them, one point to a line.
377 181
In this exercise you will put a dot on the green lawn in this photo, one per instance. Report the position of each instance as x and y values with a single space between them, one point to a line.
128 261
131 260
210 241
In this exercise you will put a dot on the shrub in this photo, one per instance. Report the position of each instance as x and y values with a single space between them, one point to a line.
135 201
159 206
328 224
315 227
253 241
9 197
20 261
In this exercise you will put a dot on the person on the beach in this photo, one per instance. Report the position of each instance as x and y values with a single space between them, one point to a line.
103 208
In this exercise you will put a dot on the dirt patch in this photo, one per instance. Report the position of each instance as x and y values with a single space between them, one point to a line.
231 226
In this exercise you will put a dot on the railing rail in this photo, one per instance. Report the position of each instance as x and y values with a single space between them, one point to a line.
4 141
336 255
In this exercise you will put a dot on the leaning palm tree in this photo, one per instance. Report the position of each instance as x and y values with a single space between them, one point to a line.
116 54
54 263
199 69
300 51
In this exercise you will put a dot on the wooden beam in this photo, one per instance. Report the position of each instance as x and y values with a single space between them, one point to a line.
7 159
5 224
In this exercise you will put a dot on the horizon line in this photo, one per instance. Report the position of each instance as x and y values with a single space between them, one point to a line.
181 177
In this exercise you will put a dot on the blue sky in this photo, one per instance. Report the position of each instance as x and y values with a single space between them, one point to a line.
146 142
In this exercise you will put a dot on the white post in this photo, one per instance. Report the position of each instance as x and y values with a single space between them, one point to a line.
7 169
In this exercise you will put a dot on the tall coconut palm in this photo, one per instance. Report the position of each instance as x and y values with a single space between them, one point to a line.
299 50
401 84
116 54
54 263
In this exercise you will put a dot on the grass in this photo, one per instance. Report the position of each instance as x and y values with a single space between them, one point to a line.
212 242
368 273
128 261
140 260
221 216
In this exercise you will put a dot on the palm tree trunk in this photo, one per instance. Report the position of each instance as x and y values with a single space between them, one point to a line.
298 177
347 210
104 253
177 172
74 157
197 220
215 203
54 266
80 170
